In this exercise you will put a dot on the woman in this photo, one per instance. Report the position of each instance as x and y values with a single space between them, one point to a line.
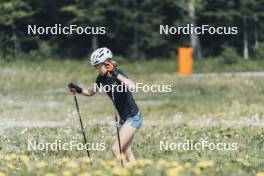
130 116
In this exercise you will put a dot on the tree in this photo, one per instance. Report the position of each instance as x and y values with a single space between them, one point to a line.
88 12
195 42
188 15
11 13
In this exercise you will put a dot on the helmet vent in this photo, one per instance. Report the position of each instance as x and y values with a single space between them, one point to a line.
101 55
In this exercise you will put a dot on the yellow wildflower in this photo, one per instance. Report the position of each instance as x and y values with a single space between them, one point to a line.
72 164
164 163
86 160
243 161
50 174
66 173
41 164
58 162
122 157
260 174
105 166
7 158
98 173
2 174
10 166
144 162
112 163
65 159
174 164
175 171
197 170
84 174
138 172
205 164
187 165
108 164
13 156
24 158
130 164
120 171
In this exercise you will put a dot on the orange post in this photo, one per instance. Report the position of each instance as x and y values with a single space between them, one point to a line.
185 61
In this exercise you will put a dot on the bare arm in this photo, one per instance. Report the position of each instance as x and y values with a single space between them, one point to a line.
131 85
89 91
111 68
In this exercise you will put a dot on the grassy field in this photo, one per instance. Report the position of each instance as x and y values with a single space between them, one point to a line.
247 160
217 109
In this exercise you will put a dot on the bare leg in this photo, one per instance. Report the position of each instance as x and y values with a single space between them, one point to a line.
126 136
128 150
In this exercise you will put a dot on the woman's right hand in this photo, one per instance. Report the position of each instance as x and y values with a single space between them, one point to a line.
75 88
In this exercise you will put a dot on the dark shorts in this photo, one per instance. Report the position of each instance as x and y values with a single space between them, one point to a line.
134 122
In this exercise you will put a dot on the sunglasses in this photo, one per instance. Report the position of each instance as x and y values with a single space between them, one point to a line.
98 66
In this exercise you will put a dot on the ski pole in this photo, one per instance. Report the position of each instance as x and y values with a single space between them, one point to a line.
117 130
80 119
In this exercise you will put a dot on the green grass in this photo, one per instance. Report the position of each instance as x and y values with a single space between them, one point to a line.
214 65
216 108
247 160
28 89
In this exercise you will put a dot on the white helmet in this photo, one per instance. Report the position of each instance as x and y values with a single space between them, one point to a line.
100 55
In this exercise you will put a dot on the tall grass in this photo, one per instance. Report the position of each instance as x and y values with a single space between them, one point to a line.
37 90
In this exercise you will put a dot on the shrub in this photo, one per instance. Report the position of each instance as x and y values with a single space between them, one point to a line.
258 52
229 55
45 50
